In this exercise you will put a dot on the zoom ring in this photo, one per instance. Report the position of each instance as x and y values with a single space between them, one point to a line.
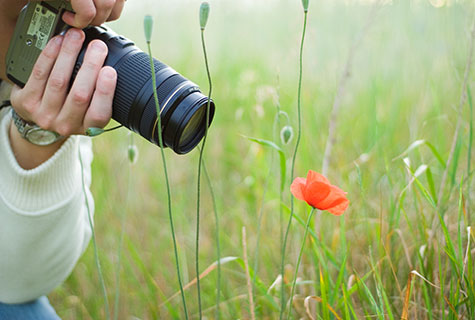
132 75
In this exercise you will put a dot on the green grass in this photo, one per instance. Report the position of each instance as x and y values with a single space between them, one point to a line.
404 86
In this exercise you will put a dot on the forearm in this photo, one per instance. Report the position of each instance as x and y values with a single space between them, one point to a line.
43 218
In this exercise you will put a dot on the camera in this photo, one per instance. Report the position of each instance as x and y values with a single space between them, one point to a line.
183 108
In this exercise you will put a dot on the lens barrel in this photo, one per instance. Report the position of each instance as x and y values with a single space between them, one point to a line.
183 108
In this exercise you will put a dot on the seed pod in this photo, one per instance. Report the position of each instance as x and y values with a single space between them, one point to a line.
286 134
133 153
283 114
305 5
92 132
204 13
148 27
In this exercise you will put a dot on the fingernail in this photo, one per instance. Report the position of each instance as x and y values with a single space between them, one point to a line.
109 73
58 40
97 45
74 34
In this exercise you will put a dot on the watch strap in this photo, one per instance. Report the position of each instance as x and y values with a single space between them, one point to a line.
25 127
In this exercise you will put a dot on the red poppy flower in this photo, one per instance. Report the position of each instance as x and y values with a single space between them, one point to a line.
318 192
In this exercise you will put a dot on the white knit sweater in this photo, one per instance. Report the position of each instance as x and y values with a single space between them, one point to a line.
44 226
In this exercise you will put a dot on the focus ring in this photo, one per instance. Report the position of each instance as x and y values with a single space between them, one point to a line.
128 86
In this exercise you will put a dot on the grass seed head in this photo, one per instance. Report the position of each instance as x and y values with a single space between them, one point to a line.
305 5
133 153
92 132
204 13
148 27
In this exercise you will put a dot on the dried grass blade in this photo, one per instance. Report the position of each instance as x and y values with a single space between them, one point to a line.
451 306
207 271
318 299
248 276
404 245
405 308
465 260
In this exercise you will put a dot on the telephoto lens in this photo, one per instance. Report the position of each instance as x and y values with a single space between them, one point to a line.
182 105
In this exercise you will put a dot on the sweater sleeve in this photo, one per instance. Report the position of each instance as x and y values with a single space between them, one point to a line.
44 223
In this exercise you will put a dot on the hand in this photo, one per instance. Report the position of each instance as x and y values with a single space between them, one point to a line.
47 99
93 12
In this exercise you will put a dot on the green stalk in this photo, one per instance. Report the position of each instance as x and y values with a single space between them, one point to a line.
198 191
259 221
160 141
121 239
294 281
299 133
218 250
261 210
96 254
469 154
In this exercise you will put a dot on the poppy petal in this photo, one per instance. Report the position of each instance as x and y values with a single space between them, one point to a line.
340 208
315 176
297 188
315 192
334 198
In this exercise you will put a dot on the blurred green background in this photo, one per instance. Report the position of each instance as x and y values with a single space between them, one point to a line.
404 85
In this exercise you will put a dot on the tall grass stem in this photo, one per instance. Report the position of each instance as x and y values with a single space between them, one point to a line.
96 253
218 247
297 143
264 193
259 222
248 275
198 190
462 100
121 238
340 92
469 156
294 281
167 182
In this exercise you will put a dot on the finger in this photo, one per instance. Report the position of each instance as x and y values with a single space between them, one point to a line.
100 110
58 81
85 12
31 94
71 116
117 10
36 83
103 11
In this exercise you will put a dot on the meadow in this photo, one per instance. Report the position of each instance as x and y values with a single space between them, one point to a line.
397 71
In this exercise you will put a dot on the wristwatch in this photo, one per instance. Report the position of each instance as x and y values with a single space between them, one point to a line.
33 133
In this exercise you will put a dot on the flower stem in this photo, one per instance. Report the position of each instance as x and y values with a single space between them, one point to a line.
294 281
198 192
261 209
299 133
96 253
218 249
121 239
160 141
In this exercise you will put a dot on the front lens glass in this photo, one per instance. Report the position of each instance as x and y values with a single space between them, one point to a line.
193 127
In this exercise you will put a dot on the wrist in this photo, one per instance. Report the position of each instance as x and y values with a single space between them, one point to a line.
33 133
28 155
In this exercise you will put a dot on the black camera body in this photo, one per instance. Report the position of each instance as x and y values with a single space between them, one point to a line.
183 108
37 23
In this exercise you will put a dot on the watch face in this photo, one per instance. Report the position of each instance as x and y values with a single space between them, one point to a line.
41 137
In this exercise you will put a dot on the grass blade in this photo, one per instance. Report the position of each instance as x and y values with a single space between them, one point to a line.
274 146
